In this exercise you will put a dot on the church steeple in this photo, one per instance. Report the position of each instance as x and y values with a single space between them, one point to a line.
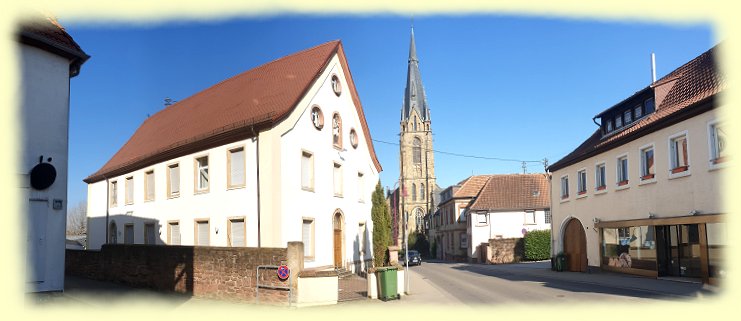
414 95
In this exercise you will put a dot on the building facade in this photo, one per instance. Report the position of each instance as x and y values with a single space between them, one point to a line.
643 194
508 206
277 154
49 58
417 162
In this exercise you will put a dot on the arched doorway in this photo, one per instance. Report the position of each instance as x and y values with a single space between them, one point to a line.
337 224
419 219
575 246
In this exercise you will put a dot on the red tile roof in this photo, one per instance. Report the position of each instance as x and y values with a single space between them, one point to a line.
513 192
49 35
686 91
227 111
470 187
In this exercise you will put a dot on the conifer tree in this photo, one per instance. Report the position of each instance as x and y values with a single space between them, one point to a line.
381 226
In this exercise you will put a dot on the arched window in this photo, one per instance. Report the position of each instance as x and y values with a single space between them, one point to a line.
419 219
417 151
422 192
113 233
414 191
337 130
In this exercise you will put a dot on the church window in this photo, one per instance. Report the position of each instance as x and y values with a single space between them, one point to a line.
336 86
417 151
414 192
317 118
337 130
422 192
353 138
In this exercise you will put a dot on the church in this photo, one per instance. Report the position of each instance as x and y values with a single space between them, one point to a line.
418 193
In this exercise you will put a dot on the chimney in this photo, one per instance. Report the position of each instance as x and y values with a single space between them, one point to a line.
653 68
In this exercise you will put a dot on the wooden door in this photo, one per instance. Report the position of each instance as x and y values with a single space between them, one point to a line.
575 246
338 248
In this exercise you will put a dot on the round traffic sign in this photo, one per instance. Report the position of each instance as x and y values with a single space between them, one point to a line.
283 272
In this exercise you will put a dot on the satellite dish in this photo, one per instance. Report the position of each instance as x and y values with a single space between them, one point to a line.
42 176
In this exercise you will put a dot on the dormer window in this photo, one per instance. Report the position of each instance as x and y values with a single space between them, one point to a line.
609 125
618 122
628 116
638 111
649 105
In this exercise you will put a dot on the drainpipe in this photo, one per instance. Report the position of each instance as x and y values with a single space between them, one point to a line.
257 158
107 203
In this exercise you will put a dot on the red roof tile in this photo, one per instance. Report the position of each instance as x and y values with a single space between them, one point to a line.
677 94
227 111
513 192
471 186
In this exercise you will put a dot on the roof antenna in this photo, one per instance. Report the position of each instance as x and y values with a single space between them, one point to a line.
169 101
653 68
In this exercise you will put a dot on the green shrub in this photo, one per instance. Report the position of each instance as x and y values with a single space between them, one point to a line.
537 245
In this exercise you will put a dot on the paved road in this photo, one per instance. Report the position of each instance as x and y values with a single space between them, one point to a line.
476 284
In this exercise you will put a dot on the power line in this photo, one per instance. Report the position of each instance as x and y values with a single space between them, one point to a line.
467 156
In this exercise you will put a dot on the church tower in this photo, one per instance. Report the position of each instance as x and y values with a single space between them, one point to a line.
417 168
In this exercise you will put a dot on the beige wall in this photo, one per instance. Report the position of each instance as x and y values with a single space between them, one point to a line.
666 195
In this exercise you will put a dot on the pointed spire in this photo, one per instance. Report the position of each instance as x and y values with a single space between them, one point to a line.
414 95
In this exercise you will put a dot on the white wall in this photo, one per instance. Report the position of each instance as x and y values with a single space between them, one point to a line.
44 121
663 196
502 225
321 204
218 204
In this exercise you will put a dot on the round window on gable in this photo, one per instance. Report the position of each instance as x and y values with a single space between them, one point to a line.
317 118
353 138
336 86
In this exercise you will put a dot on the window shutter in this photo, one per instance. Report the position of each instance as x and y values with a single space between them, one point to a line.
306 238
306 171
175 234
237 167
175 180
150 186
238 233
203 233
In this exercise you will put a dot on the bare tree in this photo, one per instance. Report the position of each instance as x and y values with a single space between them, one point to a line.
77 219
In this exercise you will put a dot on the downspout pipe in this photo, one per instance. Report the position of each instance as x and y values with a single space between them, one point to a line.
107 206
257 158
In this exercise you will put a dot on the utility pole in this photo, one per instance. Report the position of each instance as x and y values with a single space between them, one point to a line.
524 167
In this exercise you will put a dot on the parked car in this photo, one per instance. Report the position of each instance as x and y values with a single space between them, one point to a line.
414 258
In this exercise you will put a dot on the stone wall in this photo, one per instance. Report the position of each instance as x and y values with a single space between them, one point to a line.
506 250
224 273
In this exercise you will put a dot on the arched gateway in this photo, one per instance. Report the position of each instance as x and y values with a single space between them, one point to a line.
575 246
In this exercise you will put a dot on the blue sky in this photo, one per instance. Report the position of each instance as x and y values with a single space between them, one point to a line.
498 86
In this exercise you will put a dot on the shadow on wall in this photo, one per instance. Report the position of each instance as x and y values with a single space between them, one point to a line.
130 257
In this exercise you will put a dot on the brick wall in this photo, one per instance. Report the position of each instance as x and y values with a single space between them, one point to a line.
209 272
506 250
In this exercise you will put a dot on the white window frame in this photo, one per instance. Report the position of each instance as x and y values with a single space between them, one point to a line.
564 187
671 159
229 231
479 221
715 161
197 177
113 198
129 197
309 250
600 189
530 214
169 233
619 171
642 164
581 183
196 222
310 156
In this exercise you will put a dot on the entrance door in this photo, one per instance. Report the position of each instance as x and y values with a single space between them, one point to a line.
36 241
678 250
337 222
575 246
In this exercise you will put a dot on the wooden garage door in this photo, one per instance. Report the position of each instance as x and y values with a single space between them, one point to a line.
575 246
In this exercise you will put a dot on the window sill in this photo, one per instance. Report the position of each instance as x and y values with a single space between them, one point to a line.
173 196
229 188
149 201
308 189
622 185
673 175
581 195
564 200
600 191
680 169
338 195
718 163
200 192
647 181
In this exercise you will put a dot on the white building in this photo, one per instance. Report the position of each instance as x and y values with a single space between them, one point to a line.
49 57
276 154
642 195
508 206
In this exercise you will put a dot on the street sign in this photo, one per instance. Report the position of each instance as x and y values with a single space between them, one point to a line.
283 272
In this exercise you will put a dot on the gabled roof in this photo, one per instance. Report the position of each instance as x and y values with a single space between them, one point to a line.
49 35
513 192
231 110
471 186
685 92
